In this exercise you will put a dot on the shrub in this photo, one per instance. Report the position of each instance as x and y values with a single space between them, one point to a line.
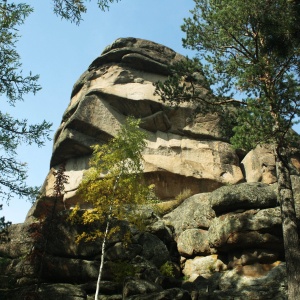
167 269
121 270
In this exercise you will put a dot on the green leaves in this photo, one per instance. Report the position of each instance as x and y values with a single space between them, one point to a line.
113 187
187 83
72 10
13 86
3 224
250 52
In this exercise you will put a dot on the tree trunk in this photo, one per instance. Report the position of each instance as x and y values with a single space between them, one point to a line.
102 260
289 227
106 234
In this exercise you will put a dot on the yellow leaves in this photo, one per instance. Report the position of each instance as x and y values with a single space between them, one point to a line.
90 216
137 220
113 231
113 186
87 237
126 239
74 216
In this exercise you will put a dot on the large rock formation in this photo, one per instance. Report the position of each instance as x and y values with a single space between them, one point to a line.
180 152
223 242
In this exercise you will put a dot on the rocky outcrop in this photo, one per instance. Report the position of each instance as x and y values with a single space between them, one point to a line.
194 212
180 151
239 252
259 164
243 196
223 241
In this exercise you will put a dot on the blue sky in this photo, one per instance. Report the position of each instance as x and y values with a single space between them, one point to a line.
61 51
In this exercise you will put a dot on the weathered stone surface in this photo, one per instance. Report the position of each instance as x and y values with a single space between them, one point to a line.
162 231
119 251
60 269
154 249
134 51
194 212
229 240
235 284
137 286
16 272
204 266
59 291
211 162
107 289
120 83
296 191
295 162
174 294
106 297
242 196
252 228
252 256
62 236
256 281
16 241
259 165
146 269
43 207
193 242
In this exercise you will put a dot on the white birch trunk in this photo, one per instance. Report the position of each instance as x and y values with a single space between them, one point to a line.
105 237
102 261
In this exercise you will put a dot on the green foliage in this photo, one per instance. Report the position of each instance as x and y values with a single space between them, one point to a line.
3 224
185 278
13 86
249 50
235 39
4 261
72 10
186 83
167 269
113 186
121 270
60 180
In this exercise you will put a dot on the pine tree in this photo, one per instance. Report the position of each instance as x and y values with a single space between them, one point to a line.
72 10
250 56
13 86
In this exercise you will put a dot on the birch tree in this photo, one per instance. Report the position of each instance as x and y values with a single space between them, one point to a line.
113 185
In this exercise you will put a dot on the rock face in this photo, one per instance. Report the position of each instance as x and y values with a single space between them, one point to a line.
259 165
119 83
223 242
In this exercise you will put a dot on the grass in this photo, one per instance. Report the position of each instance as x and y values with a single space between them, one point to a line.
167 206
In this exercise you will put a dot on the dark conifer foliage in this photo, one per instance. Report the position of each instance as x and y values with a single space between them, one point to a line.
250 54
14 85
